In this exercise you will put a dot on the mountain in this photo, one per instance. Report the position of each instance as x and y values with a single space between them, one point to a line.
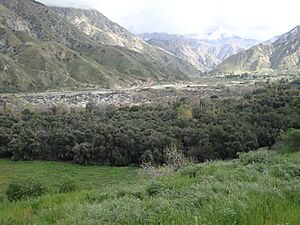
283 54
100 28
205 51
41 49
103 31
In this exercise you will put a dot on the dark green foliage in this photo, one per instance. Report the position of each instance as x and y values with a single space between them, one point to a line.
5 139
291 139
25 188
82 153
147 157
218 129
25 146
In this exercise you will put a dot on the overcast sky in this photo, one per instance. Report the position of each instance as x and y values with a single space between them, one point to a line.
259 19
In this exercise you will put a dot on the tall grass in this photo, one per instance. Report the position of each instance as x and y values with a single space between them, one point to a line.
248 190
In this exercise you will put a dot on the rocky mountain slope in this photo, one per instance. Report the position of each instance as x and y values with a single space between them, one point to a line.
39 49
205 52
283 54
102 30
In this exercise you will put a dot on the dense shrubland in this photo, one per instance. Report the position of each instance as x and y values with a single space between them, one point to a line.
170 188
202 129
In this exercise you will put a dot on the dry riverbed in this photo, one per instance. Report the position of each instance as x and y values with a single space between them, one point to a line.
133 96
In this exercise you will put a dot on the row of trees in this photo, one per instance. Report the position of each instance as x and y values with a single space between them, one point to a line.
216 130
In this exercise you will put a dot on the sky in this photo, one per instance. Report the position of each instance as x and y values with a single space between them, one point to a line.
257 19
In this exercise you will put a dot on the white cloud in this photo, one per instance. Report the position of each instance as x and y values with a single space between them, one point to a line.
261 19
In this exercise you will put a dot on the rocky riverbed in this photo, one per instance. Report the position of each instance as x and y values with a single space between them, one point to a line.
156 94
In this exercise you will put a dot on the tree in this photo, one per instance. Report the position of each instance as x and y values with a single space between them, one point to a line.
82 153
5 139
25 146
184 112
147 157
291 139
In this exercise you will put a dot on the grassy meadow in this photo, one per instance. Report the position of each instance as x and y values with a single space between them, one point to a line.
54 173
260 187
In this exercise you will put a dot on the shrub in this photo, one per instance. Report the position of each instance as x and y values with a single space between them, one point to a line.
291 139
25 188
67 185
82 153
147 157
175 157
184 112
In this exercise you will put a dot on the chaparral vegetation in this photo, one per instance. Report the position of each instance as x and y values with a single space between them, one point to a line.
217 161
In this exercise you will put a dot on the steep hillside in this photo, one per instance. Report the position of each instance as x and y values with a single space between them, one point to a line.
103 31
13 76
100 28
197 56
204 53
42 23
43 50
283 54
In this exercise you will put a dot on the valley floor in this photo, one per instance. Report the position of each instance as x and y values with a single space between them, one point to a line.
202 87
260 187
205 88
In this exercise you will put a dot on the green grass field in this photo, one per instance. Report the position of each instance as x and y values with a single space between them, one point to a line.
53 173
259 188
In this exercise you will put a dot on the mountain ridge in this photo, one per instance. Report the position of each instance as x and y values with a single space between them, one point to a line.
283 54
109 33
29 29
205 54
